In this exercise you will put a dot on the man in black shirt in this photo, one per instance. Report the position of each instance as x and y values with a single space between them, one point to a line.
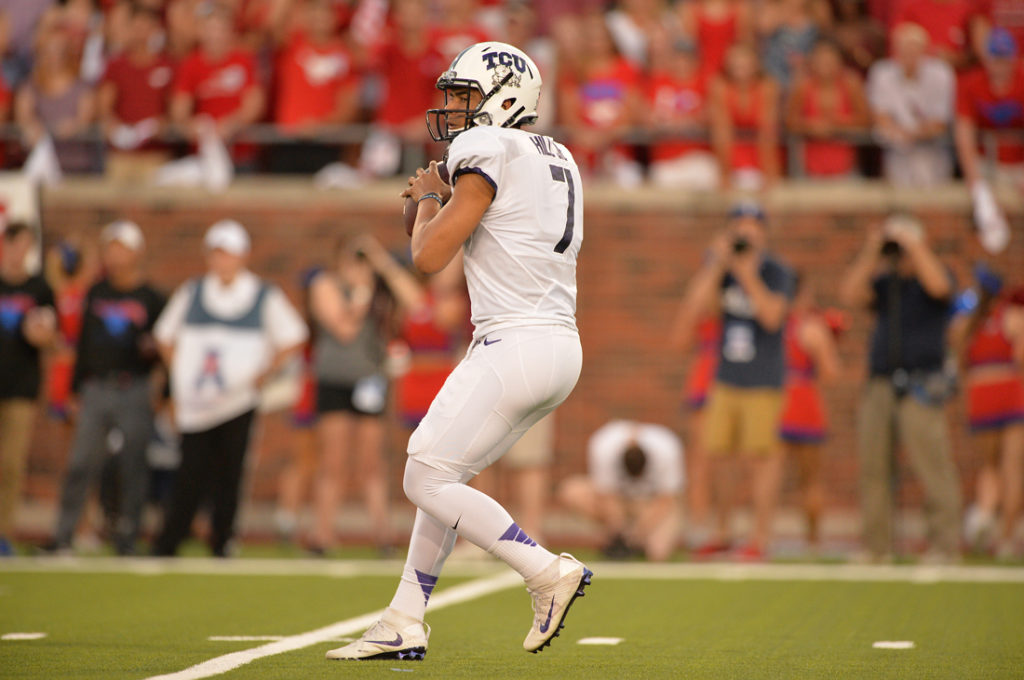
904 283
27 324
116 355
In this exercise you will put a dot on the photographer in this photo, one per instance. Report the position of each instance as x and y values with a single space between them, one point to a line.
899 277
635 472
751 290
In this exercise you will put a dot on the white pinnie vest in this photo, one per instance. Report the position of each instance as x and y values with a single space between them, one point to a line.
216 362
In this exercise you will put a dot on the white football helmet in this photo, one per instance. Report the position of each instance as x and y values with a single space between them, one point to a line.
505 77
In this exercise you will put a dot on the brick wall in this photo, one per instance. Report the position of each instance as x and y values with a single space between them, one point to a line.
640 248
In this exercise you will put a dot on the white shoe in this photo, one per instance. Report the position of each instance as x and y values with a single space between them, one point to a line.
553 592
979 529
394 636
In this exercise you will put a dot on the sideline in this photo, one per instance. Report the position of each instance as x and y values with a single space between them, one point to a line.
686 571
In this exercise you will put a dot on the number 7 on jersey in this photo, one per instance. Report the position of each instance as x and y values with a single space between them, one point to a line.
560 174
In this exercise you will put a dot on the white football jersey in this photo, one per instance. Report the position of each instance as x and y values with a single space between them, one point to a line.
520 262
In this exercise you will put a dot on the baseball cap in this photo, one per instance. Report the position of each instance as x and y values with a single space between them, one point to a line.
1001 43
125 232
747 209
229 236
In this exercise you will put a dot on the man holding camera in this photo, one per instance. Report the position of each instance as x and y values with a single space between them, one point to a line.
751 290
900 278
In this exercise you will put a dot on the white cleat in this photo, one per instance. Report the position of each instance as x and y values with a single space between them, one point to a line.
553 592
394 636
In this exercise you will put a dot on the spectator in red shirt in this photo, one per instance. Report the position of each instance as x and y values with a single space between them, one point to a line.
716 25
408 65
599 103
317 87
316 76
826 101
676 98
134 92
217 81
744 121
1007 14
991 98
457 28
956 27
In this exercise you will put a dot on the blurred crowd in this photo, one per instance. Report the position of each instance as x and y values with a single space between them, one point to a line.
699 94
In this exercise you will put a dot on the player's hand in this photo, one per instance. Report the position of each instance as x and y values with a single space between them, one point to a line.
425 182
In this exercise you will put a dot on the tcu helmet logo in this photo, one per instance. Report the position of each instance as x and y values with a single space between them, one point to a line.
502 63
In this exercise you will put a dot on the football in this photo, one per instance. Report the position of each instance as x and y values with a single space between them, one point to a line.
409 209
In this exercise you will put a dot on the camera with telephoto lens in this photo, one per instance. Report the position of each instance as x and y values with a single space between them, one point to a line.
740 244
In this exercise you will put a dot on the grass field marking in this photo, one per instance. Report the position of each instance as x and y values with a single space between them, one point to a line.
812 572
208 566
263 638
599 641
905 573
446 598
22 636
893 644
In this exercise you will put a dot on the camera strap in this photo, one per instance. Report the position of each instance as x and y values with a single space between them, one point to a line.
900 379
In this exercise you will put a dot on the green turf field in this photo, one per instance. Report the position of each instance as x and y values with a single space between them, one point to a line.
118 620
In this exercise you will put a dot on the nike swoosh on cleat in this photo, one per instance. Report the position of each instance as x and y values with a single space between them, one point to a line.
547 623
397 642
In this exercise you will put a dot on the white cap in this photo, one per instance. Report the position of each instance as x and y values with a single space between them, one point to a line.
125 232
229 236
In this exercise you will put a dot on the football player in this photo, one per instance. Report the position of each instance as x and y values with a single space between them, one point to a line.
515 207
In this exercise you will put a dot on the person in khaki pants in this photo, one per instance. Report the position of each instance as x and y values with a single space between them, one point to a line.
899 277
27 323
751 290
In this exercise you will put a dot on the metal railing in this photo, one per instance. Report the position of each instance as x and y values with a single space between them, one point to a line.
268 135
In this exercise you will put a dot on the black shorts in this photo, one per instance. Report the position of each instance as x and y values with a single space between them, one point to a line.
338 398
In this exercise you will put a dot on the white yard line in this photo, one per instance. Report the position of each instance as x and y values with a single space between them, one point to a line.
686 571
893 644
262 638
446 598
206 566
22 636
612 641
809 572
